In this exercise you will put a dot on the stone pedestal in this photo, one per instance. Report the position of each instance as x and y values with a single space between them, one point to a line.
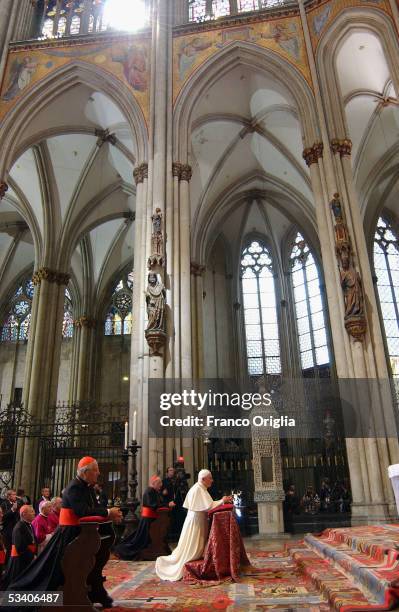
270 512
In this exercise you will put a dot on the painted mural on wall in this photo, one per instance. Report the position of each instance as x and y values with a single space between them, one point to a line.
127 59
321 17
283 36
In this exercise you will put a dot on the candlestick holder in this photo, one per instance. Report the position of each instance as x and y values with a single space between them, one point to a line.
129 488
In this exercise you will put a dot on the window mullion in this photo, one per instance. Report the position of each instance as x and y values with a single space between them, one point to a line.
391 286
261 325
309 316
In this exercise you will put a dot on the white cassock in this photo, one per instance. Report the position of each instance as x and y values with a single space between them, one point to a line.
193 537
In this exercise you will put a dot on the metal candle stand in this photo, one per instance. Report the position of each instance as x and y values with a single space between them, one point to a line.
129 485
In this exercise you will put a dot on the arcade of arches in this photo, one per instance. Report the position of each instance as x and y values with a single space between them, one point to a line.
246 154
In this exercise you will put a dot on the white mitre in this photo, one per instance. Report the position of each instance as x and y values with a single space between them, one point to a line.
198 498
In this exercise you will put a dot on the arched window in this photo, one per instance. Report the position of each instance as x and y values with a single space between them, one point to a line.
118 321
16 324
67 324
309 313
75 25
386 266
260 312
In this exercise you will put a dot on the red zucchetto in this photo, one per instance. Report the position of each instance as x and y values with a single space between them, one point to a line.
153 478
85 461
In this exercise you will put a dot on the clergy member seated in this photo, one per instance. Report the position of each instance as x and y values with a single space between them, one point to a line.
54 516
78 501
40 524
130 547
23 548
194 535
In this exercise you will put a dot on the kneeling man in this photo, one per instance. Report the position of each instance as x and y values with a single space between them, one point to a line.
130 547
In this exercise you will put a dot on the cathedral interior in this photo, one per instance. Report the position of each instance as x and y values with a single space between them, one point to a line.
198 189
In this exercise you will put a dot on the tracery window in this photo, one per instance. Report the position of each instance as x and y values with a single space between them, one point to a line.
118 321
386 266
17 322
203 10
260 311
309 313
67 324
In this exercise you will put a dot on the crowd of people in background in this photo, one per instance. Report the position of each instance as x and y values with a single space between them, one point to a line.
333 499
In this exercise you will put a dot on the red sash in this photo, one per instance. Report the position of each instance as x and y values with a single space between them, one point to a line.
68 517
2 557
148 512
31 547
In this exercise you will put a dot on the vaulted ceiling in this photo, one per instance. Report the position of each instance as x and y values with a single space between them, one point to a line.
71 194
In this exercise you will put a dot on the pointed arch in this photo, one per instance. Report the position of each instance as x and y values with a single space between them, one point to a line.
51 88
234 54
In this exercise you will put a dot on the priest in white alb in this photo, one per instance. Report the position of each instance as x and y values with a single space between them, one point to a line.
194 535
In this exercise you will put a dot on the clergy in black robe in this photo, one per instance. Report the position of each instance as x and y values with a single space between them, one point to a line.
78 501
24 546
129 548
10 506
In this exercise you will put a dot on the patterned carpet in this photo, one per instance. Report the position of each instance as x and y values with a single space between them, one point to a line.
348 569
279 585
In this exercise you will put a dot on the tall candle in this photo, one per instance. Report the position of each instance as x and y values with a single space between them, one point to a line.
134 424
126 433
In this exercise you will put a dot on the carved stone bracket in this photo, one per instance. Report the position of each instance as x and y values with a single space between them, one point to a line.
85 321
355 320
140 173
157 257
156 339
312 154
52 276
3 189
196 269
342 146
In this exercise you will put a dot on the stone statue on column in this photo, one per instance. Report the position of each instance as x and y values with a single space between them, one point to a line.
355 320
157 241
156 305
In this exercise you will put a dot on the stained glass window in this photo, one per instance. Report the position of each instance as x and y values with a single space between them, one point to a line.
386 266
260 312
308 306
118 320
67 324
16 324
202 10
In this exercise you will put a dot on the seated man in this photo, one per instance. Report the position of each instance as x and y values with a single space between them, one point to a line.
131 546
78 501
24 546
41 525
194 534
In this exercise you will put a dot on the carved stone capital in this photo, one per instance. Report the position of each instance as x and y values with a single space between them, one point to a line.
51 276
3 189
186 172
342 146
140 173
156 339
85 321
176 169
312 154
104 136
196 269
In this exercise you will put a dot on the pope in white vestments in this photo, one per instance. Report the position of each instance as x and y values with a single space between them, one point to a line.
194 535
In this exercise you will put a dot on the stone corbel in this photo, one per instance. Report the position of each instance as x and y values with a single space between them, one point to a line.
196 269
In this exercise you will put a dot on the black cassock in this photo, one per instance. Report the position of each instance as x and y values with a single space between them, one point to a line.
45 573
129 548
23 552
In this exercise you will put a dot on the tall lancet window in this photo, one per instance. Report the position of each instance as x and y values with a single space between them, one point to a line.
17 322
309 313
386 266
67 324
260 312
